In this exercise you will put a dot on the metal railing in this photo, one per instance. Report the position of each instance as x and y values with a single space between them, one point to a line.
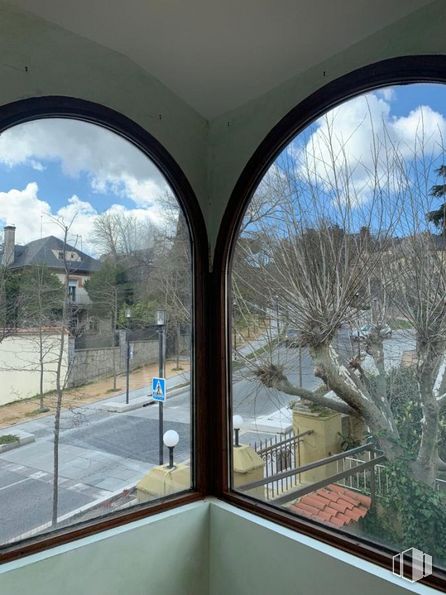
297 492
280 455
360 482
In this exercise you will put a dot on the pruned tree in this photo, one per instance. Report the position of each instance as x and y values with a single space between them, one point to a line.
339 251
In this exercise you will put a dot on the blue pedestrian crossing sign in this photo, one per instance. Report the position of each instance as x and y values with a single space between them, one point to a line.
159 389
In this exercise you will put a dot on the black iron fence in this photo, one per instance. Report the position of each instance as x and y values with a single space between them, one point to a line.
279 455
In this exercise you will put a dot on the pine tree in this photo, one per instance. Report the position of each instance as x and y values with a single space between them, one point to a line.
438 216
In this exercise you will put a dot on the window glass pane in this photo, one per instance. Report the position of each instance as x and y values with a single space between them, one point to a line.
95 247
339 324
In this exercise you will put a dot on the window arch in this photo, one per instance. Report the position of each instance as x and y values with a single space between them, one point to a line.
292 233
117 247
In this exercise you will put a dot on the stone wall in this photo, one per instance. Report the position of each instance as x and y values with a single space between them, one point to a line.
91 364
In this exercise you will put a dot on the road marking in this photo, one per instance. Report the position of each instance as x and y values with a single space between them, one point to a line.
15 483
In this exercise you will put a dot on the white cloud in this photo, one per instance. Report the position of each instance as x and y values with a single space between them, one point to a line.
387 93
111 162
34 218
353 140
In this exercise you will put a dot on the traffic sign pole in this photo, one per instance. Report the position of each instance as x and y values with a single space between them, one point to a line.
161 404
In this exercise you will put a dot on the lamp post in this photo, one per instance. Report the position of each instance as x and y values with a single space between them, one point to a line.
237 422
128 315
234 306
171 439
161 324
276 302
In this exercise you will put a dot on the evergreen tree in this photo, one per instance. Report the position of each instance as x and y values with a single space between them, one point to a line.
438 216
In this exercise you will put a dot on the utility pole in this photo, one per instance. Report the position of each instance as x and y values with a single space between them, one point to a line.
300 364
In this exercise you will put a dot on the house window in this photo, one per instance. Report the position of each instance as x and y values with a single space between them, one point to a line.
72 291
133 359
339 324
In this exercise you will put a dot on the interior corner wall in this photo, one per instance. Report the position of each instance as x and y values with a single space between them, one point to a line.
39 59
234 137
249 555
166 554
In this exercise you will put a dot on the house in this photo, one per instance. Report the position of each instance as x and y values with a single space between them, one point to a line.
57 257
212 90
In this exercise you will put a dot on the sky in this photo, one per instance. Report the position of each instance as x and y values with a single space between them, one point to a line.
74 171
389 141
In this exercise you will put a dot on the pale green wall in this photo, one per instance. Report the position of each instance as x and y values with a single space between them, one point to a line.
60 63
162 555
234 136
212 154
207 548
250 556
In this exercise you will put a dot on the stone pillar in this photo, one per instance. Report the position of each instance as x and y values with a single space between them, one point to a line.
161 481
248 466
323 442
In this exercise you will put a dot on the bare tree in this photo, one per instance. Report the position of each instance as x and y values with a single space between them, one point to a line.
62 371
337 250
41 294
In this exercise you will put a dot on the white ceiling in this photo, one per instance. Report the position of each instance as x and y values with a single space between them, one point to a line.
218 54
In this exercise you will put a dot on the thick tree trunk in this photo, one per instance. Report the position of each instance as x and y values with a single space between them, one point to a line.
426 465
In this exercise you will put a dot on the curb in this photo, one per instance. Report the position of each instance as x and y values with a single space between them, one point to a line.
23 438
138 403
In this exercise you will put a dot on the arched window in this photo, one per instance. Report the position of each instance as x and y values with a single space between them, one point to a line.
338 323
97 295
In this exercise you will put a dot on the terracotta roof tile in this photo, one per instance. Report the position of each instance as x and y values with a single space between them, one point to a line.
333 505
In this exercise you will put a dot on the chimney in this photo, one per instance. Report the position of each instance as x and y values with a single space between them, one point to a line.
8 245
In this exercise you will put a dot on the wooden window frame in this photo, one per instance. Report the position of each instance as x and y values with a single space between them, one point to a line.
395 71
28 110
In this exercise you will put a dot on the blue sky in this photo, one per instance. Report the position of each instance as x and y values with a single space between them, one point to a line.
386 146
66 168
75 171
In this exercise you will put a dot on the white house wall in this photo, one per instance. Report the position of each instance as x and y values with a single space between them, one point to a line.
20 366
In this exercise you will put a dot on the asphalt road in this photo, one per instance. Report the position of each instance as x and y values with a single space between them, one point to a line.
102 453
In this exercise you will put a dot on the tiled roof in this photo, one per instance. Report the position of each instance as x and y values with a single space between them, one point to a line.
333 505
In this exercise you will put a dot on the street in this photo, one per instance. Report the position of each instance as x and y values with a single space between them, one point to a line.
103 453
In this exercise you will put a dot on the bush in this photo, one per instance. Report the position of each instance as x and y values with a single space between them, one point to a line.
8 439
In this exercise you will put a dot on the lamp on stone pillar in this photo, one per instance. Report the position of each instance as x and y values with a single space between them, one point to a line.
237 422
171 439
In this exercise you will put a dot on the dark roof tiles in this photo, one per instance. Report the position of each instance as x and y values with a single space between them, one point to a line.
42 252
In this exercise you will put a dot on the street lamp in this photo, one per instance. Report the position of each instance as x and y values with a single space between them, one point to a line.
276 302
160 318
128 315
171 439
237 422
234 306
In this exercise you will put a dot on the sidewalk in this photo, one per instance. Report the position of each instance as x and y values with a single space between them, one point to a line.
101 390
